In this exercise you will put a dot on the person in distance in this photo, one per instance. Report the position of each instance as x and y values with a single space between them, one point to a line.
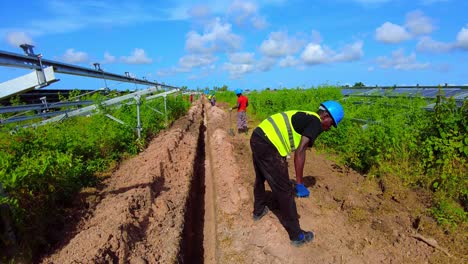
242 103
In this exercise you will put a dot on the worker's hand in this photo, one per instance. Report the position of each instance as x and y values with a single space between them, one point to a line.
301 190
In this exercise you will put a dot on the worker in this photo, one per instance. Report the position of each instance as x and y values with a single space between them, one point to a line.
212 98
242 103
271 143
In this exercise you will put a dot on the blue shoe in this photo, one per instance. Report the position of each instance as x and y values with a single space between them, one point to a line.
258 217
304 237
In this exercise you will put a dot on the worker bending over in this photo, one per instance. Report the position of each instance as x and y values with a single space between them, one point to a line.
271 142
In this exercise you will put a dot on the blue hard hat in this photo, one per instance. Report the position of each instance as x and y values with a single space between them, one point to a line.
238 91
335 110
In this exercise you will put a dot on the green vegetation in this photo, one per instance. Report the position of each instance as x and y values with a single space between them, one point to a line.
43 168
390 136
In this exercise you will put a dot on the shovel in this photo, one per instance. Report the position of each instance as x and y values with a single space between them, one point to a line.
230 131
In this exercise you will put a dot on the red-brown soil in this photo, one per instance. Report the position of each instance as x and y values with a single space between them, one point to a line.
188 199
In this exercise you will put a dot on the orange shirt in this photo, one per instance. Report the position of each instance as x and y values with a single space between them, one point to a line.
242 103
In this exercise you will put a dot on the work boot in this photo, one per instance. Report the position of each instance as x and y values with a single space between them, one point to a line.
304 237
259 216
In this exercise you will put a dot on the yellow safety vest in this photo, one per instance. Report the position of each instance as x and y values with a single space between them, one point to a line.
279 130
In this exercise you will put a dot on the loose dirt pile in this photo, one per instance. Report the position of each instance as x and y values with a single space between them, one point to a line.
188 199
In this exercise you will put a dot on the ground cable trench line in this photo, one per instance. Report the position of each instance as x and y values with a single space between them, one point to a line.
210 194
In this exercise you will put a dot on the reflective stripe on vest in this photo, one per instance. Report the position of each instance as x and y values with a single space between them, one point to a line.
279 131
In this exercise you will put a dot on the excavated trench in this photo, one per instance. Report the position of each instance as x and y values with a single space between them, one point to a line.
191 244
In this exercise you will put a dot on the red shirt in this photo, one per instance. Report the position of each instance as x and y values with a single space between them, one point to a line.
242 103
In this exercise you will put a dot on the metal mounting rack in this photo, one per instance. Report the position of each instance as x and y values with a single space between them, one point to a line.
44 74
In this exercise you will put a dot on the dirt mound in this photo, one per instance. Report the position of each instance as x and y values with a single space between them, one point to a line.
188 199
141 215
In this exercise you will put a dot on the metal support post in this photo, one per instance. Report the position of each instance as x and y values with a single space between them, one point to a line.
43 79
97 67
138 128
44 102
165 110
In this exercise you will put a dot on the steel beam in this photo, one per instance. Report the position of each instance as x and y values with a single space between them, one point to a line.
34 62
113 101
40 107
30 81
24 118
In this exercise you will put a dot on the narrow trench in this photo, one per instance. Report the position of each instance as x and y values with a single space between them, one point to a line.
191 245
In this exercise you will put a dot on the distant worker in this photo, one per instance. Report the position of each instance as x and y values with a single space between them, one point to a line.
242 103
271 142
212 98
191 98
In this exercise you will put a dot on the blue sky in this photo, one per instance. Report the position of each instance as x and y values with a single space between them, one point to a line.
245 44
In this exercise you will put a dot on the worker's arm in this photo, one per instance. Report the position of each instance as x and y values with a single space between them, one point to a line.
235 107
299 158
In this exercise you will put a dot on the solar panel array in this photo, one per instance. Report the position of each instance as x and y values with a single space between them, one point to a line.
459 93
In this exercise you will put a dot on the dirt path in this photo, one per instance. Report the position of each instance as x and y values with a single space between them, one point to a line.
188 199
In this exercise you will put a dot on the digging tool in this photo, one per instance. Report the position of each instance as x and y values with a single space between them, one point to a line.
230 131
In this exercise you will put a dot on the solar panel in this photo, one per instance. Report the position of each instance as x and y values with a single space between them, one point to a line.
346 92
420 91
409 91
451 92
461 96
429 92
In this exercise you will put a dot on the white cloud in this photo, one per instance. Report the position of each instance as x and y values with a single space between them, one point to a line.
72 56
239 64
191 61
266 63
241 58
391 33
243 12
138 57
280 44
318 54
108 58
426 44
236 71
418 23
462 38
288 61
216 38
315 54
17 38
398 61
350 52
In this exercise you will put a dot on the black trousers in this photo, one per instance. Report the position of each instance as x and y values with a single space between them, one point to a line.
271 166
